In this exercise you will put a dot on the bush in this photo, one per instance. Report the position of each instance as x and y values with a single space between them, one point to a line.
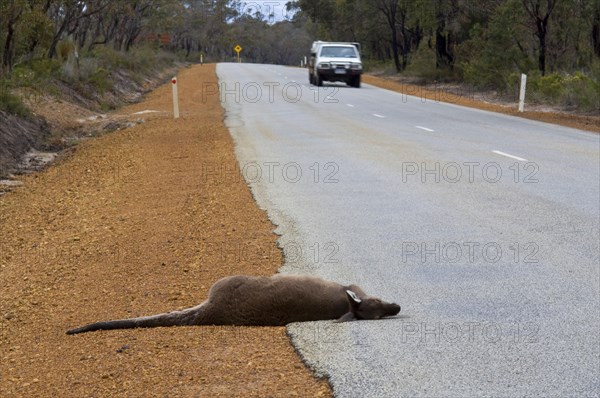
87 67
579 90
69 72
423 65
100 79
11 103
23 77
378 67
108 57
583 91
139 59
34 72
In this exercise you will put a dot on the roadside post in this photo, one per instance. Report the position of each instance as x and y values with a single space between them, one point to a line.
238 49
522 92
175 98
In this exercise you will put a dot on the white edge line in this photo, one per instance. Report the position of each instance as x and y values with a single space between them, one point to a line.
425 128
379 116
350 105
510 156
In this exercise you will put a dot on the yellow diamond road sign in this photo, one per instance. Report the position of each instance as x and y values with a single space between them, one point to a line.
237 48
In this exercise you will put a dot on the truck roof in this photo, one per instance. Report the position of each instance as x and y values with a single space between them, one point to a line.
319 43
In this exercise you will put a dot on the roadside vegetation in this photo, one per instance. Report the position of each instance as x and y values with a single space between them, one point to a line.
85 44
483 44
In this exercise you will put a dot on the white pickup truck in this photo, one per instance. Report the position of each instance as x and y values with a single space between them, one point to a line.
335 62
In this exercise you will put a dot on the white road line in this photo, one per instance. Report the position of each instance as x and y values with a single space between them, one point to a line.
379 116
350 105
425 128
510 156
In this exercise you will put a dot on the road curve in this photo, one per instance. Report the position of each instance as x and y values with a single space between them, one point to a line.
484 227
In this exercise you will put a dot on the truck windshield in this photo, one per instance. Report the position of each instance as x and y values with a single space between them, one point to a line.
338 52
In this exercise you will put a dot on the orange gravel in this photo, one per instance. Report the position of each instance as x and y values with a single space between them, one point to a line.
137 222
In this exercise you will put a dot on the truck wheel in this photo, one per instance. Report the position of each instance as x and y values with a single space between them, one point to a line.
354 81
318 80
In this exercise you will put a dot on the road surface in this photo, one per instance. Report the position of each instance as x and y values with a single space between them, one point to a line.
483 227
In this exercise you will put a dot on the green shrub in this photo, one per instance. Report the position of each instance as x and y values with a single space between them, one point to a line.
423 65
378 67
142 59
45 68
107 107
23 76
11 103
580 90
100 79
139 59
109 57
87 67
32 73
551 87
69 72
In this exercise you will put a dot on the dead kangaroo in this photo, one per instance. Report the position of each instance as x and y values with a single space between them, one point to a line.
265 301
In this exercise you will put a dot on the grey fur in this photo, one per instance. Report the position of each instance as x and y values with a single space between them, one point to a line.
265 301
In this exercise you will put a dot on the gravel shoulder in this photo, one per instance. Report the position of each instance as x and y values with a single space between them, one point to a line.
136 222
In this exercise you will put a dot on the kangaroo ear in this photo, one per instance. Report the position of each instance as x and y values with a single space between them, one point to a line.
353 297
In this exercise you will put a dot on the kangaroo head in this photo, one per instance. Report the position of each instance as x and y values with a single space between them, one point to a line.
368 308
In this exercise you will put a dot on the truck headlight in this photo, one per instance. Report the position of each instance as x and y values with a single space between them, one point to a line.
356 66
324 65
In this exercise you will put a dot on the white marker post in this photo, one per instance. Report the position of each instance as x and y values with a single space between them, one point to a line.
522 93
175 99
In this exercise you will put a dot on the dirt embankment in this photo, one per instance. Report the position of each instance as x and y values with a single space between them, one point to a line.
63 115
17 136
469 98
136 222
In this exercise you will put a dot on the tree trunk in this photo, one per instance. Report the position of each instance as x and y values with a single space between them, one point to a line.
596 32
55 40
7 59
406 40
541 26
389 8
542 55
542 31
443 52
395 51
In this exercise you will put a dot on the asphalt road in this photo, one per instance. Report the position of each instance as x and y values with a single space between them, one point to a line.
483 227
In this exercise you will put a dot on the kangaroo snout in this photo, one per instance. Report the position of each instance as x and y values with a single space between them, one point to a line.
368 307
394 309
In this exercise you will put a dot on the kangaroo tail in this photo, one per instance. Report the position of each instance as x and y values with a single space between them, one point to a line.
177 318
